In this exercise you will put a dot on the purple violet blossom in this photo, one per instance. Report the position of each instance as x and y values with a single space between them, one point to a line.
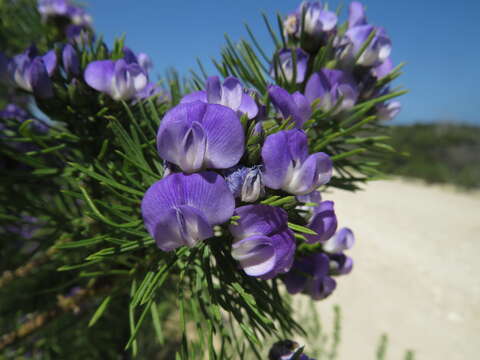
357 34
295 105
285 67
341 241
120 80
79 34
323 222
32 73
181 209
230 94
288 166
340 264
141 59
245 183
12 111
49 8
310 274
71 62
331 86
388 111
264 245
198 135
318 21
383 69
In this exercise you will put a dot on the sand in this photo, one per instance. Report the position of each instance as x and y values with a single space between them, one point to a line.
416 274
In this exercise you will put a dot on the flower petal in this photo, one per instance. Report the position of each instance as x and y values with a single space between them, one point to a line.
356 14
50 61
343 240
39 79
225 136
248 106
214 90
323 222
195 96
276 159
258 220
232 93
99 75
256 254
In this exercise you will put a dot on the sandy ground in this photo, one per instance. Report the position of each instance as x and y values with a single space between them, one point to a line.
416 275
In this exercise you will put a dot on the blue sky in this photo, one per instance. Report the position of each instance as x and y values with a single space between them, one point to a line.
439 40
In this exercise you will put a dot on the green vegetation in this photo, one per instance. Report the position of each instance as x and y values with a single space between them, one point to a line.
437 153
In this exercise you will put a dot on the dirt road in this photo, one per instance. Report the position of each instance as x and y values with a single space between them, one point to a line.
416 275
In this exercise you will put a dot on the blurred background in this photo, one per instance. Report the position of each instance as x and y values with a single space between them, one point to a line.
415 274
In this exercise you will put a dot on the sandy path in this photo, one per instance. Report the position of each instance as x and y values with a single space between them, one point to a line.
416 275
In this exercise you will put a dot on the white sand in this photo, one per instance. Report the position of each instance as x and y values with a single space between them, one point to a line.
416 274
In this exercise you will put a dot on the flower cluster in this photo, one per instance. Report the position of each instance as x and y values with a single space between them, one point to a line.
210 181
249 152
75 22
361 57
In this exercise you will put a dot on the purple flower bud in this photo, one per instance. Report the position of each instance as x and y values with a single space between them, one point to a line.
343 240
323 222
235 177
331 86
340 264
230 94
264 245
71 63
317 19
182 209
118 79
198 136
253 188
388 111
286 68
288 166
144 61
296 106
309 274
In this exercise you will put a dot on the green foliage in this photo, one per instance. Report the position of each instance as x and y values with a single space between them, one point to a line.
437 153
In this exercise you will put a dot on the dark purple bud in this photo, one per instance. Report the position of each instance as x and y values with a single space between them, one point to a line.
71 63
39 79
340 264
343 240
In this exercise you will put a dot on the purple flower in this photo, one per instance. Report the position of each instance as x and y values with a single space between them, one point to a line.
152 89
323 222
340 264
264 245
357 34
286 65
141 59
12 111
245 183
230 94
389 110
181 209
296 105
331 86
32 73
310 274
71 63
120 80
383 69
53 7
343 240
198 135
317 19
288 166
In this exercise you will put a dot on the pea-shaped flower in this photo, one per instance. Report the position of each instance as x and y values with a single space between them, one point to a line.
264 245
288 166
32 73
118 79
230 93
296 105
343 240
198 136
310 274
285 67
182 209
330 86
